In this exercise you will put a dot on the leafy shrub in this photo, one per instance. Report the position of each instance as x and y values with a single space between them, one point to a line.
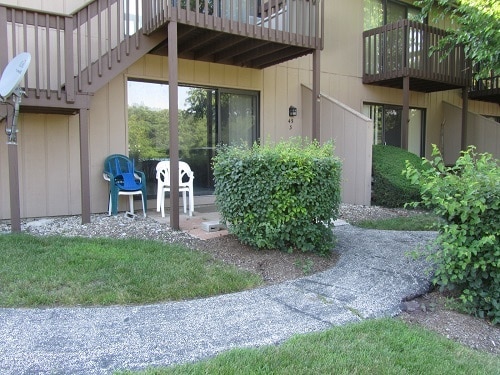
390 188
467 196
283 196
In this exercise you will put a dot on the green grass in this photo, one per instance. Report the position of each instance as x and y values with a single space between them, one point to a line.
386 346
58 271
418 222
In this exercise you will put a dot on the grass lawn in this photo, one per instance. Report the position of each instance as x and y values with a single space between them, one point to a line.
418 222
61 271
385 346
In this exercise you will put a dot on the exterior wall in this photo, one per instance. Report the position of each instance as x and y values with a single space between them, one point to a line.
341 75
281 89
482 132
352 133
49 166
49 149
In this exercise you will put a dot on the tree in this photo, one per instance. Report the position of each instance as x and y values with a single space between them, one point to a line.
148 133
475 25
198 102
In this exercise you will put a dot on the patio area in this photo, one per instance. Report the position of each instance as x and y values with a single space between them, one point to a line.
203 224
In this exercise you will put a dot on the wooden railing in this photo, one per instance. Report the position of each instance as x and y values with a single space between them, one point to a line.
64 47
296 22
70 52
486 84
486 89
403 49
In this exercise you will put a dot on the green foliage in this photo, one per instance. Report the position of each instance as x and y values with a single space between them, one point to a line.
413 222
390 188
283 196
149 133
374 346
467 197
62 271
475 25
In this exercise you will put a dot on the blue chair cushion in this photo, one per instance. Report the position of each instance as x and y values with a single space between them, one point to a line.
128 182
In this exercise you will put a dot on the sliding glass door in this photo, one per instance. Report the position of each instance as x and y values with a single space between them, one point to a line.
230 117
238 117
207 117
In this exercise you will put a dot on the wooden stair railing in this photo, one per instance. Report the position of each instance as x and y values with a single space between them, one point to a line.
77 54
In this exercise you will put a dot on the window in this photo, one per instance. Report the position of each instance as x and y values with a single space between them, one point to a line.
382 12
387 126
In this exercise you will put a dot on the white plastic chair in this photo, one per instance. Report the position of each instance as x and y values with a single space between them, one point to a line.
186 177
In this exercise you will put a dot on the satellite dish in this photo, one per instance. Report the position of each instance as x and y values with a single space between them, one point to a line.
13 74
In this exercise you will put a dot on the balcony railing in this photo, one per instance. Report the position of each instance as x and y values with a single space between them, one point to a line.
296 22
402 49
74 54
486 89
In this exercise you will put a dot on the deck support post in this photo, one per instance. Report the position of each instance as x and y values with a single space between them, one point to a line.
85 163
316 97
465 110
173 116
12 156
405 116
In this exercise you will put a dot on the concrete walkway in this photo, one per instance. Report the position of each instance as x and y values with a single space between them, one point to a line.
372 277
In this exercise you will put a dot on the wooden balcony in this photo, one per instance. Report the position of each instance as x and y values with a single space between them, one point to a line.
75 55
247 33
486 90
401 49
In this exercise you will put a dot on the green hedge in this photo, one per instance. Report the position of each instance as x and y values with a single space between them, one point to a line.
467 196
279 197
389 187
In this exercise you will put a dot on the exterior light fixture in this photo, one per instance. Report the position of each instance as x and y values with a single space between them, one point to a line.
292 111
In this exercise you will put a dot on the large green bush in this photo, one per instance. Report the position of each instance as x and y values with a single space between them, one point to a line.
467 196
280 196
390 188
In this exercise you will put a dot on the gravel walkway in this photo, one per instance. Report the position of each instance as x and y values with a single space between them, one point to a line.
372 277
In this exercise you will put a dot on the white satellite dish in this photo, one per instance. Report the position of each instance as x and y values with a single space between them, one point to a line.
13 74
9 84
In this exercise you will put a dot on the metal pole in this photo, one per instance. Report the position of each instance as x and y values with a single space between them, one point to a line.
15 204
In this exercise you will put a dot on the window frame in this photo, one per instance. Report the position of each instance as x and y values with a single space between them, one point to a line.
386 106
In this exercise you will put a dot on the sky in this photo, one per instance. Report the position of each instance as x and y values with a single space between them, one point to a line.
153 95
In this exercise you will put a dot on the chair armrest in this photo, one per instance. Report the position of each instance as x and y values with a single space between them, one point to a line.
140 175
107 176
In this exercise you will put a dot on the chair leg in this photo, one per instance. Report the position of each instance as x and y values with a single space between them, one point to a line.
162 204
131 203
109 205
191 203
159 189
184 201
143 205
114 202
